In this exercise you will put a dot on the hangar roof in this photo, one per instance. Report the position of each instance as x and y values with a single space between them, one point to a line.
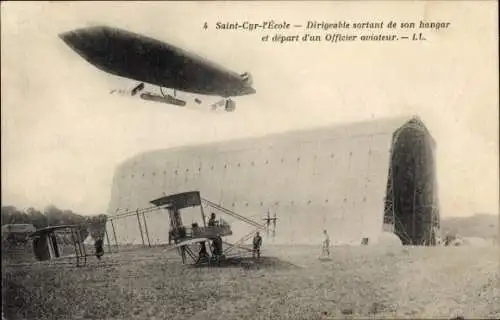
335 131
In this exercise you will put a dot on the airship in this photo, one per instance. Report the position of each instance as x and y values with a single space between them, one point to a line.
146 60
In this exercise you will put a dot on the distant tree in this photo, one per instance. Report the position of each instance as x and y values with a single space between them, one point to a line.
8 214
97 225
54 215
38 219
11 215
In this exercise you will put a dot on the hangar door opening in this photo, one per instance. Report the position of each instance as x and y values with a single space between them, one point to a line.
411 204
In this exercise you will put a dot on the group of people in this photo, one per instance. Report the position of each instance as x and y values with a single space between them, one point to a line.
256 242
216 244
257 239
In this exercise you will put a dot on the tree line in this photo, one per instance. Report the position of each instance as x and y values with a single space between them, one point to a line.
53 216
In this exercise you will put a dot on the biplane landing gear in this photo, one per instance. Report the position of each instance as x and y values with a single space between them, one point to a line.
186 251
190 256
203 255
200 255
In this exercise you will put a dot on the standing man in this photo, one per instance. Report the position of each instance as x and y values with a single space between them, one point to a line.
257 243
326 243
99 250
217 246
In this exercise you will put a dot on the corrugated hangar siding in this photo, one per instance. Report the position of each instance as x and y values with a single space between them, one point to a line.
331 178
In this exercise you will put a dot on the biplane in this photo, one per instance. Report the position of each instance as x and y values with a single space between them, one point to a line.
192 242
147 60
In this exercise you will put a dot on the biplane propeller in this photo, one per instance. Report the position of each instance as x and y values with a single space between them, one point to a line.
147 60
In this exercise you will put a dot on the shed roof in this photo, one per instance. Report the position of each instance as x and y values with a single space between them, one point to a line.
52 229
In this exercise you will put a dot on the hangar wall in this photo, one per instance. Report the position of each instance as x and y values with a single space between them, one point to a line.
331 178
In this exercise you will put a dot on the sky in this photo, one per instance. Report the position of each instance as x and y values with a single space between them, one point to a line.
63 134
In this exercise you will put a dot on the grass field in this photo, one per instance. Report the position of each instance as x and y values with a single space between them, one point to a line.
359 282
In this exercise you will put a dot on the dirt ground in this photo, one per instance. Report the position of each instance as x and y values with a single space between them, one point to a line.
290 283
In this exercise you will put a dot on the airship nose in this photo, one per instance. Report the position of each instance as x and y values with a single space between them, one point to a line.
84 41
70 38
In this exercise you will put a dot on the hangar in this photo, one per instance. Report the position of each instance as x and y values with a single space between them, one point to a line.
355 180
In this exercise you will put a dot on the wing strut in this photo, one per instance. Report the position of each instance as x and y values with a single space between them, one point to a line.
237 244
234 214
